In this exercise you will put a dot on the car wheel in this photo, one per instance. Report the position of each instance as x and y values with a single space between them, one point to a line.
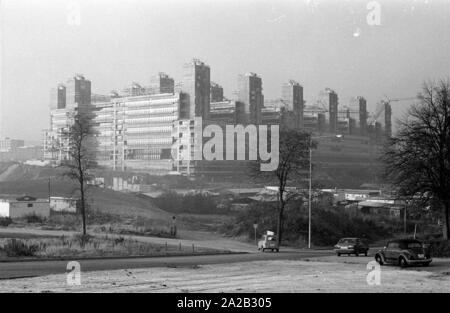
356 253
365 253
402 262
426 263
277 250
379 259
338 254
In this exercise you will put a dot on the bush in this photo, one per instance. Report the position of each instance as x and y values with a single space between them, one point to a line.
15 248
33 218
64 221
5 221
96 216
83 239
328 226
440 248
189 203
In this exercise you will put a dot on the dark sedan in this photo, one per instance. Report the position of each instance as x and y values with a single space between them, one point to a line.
349 246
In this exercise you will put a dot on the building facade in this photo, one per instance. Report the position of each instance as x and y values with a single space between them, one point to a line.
197 85
250 95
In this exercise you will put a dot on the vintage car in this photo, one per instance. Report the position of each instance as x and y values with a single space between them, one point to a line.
268 242
404 252
349 246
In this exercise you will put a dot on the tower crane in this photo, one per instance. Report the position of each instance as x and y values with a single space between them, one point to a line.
381 106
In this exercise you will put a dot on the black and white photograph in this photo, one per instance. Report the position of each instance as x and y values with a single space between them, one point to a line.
223 152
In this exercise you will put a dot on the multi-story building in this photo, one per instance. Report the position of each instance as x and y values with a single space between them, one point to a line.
78 92
225 111
58 97
387 120
216 92
161 83
197 85
135 133
65 102
292 95
250 94
10 145
56 142
362 104
332 111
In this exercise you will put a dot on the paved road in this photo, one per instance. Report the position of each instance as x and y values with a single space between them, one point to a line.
41 268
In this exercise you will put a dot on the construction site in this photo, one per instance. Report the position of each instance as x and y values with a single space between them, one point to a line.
149 129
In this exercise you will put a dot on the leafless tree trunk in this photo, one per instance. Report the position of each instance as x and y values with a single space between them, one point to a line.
81 160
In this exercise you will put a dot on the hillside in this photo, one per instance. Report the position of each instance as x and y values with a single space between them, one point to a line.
99 198
10 171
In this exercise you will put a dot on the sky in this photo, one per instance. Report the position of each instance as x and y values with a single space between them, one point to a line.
341 45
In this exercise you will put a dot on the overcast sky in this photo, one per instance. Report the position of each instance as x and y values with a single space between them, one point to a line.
318 43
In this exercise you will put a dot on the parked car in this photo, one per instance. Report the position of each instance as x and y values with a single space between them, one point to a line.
268 242
404 252
349 246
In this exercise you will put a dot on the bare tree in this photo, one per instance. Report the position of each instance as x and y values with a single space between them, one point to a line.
294 148
81 159
417 158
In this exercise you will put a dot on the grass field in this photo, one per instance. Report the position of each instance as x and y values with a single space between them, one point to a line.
87 247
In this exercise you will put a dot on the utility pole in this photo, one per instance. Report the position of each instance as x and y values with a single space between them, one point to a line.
49 191
310 183
309 196
404 217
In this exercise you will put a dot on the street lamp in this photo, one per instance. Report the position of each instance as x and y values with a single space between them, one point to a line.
310 182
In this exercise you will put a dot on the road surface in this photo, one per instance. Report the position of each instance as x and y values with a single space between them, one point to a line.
10 270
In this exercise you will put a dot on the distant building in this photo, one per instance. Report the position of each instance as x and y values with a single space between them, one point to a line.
10 145
250 94
161 83
333 111
23 206
225 111
78 92
216 92
136 133
58 97
77 99
62 204
362 104
197 85
387 120
292 95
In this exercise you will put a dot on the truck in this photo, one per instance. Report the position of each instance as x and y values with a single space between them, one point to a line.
268 242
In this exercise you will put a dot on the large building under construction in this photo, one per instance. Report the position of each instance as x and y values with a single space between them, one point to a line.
150 128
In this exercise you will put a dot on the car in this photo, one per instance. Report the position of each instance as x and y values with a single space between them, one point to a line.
268 242
349 246
404 252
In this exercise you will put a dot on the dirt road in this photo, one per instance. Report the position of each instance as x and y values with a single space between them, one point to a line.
260 276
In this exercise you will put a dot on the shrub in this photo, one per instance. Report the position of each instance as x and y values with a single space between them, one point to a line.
328 226
83 239
5 221
96 216
440 248
190 203
65 221
15 248
33 218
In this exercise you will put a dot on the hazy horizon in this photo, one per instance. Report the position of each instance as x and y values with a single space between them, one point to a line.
318 43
